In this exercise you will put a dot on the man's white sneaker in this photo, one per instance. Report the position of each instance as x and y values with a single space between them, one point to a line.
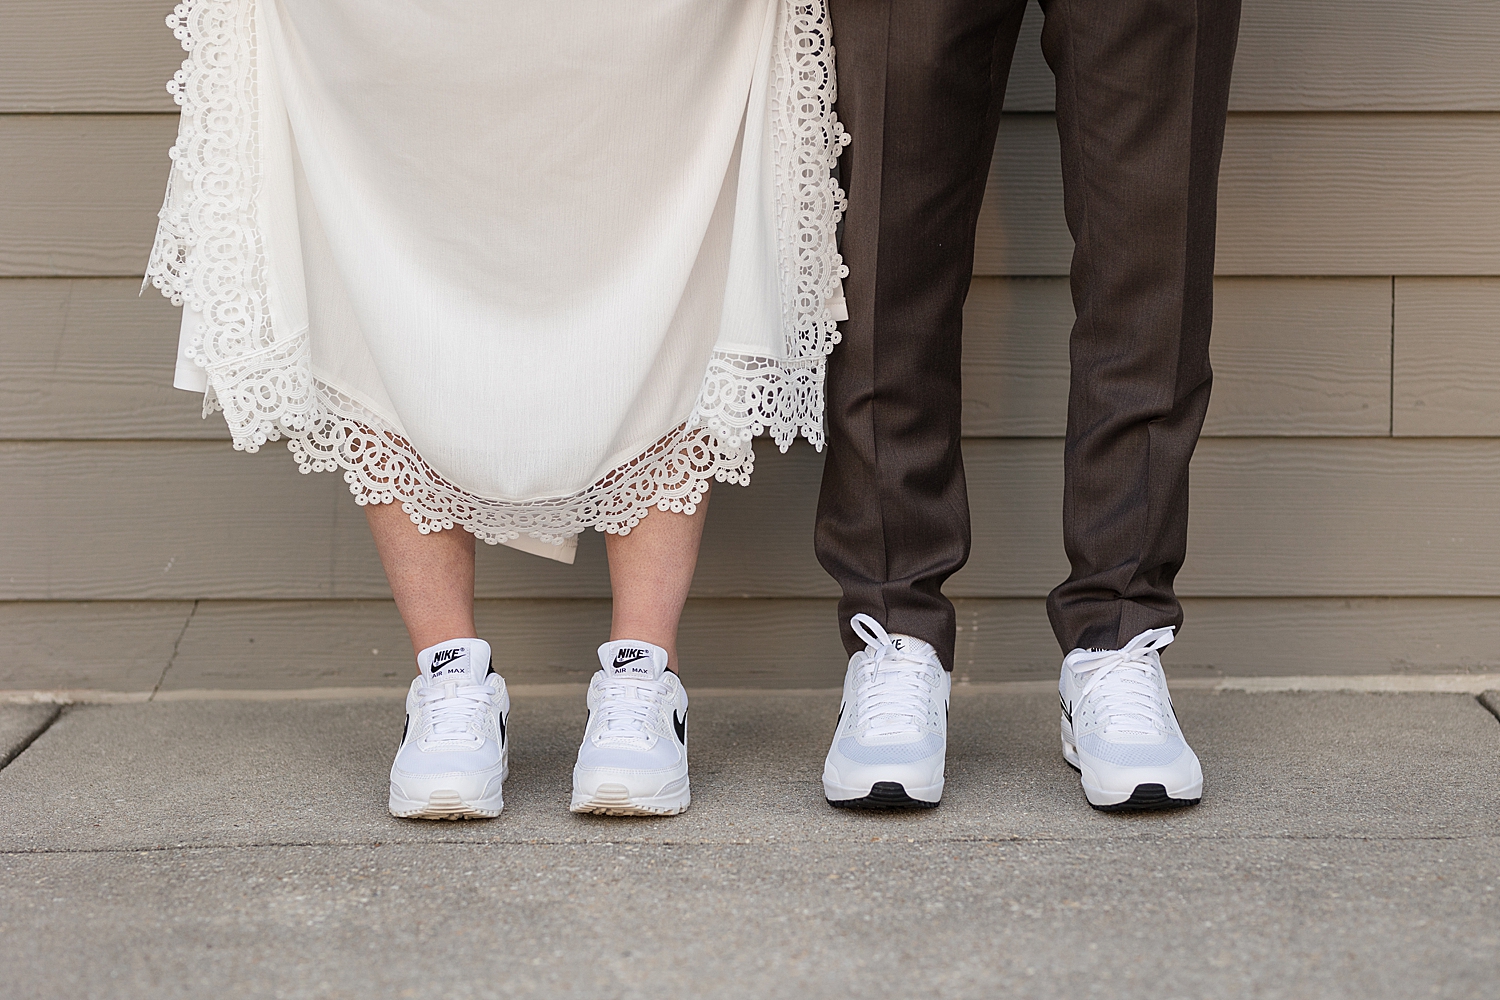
1119 729
891 742
633 760
454 754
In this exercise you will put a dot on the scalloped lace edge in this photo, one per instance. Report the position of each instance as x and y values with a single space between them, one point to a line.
208 257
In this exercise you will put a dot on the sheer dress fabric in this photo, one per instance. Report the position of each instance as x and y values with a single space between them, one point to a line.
525 268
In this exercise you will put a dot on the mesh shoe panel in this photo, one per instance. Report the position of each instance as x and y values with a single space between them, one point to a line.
1133 754
891 753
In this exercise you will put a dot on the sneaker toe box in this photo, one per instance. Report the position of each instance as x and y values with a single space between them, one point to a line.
1112 771
642 771
418 762
853 767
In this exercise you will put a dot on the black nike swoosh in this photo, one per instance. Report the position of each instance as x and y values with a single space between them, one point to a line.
1064 706
404 727
681 726
620 663
502 729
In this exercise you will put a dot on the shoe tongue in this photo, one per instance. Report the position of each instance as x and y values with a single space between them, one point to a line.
913 647
632 658
466 661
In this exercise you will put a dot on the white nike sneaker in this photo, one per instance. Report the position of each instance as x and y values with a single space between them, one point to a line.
891 742
633 760
1119 729
453 754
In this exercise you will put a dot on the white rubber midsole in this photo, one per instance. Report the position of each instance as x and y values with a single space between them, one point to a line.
615 798
444 802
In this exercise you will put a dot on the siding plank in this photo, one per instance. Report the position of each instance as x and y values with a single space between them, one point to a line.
1361 194
1336 55
171 520
1271 517
79 194
250 645
86 55
1300 356
1367 55
1334 194
264 644
162 521
1447 368
1258 637
1292 356
92 358
98 645
1344 518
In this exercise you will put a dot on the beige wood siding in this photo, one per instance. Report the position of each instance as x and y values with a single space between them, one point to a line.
1447 359
1344 494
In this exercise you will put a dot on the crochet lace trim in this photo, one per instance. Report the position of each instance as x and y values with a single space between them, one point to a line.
209 257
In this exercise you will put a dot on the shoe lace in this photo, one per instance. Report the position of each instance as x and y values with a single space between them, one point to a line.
627 707
893 690
1131 689
455 710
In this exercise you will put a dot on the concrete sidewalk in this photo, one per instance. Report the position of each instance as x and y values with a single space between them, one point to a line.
1348 845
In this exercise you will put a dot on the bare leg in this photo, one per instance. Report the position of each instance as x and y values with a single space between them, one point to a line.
650 571
432 576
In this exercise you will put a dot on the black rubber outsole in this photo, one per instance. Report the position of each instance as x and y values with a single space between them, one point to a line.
1146 798
884 795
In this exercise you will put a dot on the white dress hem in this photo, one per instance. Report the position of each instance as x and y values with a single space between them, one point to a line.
209 257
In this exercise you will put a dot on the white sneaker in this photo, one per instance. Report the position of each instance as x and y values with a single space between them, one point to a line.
633 760
1119 729
453 754
891 742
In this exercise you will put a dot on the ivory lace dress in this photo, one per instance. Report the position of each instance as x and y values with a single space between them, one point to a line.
525 267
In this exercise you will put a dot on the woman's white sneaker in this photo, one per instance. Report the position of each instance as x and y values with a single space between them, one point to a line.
633 760
454 754
891 743
1119 729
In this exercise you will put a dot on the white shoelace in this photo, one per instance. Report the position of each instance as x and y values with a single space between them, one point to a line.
454 709
893 690
1131 691
627 707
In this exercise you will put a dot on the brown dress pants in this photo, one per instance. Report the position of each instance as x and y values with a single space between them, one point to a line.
1142 93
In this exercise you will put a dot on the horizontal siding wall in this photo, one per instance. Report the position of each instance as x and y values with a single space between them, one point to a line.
1334 55
1344 494
192 645
1300 194
1292 357
1271 517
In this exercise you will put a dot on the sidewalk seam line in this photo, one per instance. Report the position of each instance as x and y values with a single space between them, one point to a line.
936 841
9 758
